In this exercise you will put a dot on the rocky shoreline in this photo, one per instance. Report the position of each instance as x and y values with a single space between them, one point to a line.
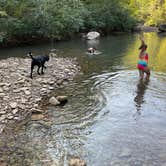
21 96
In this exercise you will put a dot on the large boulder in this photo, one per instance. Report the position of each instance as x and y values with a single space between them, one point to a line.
92 35
162 27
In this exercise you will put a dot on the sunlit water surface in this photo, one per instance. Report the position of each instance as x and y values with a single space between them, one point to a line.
111 118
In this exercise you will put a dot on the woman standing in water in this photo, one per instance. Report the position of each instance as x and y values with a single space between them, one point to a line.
143 61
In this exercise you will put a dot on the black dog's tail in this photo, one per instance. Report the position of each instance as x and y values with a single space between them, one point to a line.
30 54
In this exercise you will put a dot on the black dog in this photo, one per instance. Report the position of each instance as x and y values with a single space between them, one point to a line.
38 61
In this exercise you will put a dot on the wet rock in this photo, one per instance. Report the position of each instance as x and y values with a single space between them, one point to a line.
77 162
54 101
125 153
62 99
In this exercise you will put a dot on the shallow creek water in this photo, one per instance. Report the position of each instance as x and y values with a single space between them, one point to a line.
111 118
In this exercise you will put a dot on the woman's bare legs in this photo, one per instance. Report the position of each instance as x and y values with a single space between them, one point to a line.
141 74
147 71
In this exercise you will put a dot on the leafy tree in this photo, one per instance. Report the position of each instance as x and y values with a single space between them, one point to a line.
22 19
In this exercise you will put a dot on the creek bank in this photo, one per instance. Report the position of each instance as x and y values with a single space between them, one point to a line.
143 28
21 96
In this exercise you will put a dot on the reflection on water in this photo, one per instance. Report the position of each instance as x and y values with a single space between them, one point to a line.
112 118
139 99
99 124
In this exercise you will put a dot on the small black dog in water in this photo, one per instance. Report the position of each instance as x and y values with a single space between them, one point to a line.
38 61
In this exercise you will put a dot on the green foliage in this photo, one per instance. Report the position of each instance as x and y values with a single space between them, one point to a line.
108 15
3 14
150 12
59 19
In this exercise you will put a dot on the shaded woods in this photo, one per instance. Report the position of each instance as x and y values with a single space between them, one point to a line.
23 21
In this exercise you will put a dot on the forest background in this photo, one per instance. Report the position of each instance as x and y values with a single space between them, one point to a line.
25 20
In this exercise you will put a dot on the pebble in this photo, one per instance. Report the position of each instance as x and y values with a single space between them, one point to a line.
51 88
2 117
2 94
52 82
27 92
13 105
37 111
1 90
15 111
2 112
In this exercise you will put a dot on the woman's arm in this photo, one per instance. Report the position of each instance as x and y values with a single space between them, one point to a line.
142 40
141 55
143 45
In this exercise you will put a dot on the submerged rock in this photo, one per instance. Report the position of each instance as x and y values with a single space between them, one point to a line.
62 99
37 116
77 162
54 101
